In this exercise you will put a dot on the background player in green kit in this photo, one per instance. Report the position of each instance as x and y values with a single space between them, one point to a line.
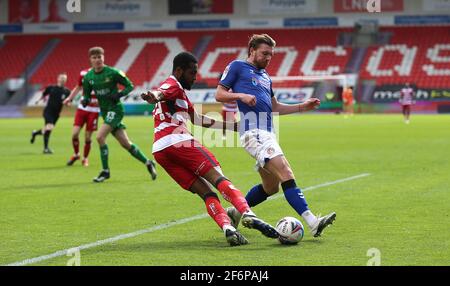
103 80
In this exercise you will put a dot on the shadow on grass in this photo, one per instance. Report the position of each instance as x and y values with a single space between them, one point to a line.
183 246
41 168
61 186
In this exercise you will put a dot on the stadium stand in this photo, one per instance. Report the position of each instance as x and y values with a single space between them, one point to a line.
17 52
425 56
146 56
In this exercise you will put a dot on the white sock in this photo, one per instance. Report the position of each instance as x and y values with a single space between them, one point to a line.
310 218
249 212
228 226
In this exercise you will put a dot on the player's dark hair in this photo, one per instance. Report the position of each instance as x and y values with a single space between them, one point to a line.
183 60
256 40
96 51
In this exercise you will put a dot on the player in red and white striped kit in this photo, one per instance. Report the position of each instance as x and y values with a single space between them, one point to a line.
406 100
187 161
84 115
229 113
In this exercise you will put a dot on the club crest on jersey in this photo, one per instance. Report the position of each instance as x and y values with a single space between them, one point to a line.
254 81
165 86
91 82
225 72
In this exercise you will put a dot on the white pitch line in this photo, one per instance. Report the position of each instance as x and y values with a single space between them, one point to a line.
156 228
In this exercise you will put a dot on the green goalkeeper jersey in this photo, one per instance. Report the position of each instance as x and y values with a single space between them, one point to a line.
104 84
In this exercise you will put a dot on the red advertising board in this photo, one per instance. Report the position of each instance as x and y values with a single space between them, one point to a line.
360 6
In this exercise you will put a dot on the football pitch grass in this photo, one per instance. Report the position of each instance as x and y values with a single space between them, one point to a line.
397 205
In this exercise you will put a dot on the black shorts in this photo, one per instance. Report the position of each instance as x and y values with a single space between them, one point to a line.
50 116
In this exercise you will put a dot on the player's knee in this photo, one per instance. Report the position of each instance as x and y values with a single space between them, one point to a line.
271 189
286 173
100 139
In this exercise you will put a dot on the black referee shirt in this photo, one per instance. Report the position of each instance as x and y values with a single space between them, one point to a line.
56 95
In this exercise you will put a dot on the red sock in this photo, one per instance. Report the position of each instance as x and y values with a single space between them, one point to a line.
216 211
87 148
233 195
76 145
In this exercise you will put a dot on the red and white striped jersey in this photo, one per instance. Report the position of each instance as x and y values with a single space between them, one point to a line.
406 96
230 106
170 115
93 104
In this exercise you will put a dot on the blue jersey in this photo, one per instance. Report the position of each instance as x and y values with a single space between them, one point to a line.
243 77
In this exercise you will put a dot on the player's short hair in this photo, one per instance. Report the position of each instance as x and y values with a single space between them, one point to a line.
96 51
183 60
258 39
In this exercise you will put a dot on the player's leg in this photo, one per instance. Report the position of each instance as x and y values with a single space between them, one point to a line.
122 136
40 131
204 163
217 212
35 133
279 166
407 112
75 144
102 133
87 147
49 126
91 126
235 197
404 112
170 159
258 194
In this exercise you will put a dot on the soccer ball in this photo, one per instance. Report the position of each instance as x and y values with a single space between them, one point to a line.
290 229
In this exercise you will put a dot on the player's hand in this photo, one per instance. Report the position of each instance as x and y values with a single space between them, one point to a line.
67 102
248 99
310 104
84 102
150 97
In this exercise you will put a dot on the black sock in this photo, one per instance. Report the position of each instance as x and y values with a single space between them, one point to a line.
46 138
37 132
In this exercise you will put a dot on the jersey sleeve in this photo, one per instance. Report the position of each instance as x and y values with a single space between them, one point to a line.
230 75
47 91
125 81
87 89
171 91
80 80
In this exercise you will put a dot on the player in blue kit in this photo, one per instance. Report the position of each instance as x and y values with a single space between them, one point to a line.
252 88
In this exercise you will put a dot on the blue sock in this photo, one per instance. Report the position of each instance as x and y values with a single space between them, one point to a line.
256 196
294 196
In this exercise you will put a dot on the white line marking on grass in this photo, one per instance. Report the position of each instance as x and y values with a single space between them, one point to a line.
156 228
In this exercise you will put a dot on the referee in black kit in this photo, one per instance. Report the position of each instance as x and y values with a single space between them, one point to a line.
54 95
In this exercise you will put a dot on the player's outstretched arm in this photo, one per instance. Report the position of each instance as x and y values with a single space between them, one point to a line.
208 122
283 109
223 94
72 95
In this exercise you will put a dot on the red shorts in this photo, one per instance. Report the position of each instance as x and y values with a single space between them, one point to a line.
90 118
186 163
